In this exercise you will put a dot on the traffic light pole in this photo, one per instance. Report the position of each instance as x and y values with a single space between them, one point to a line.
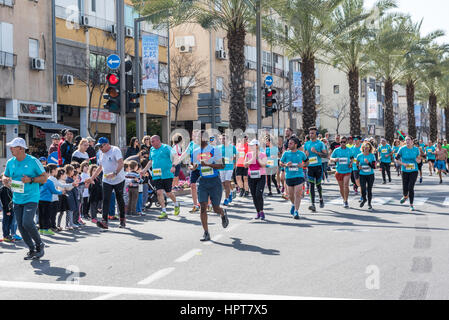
259 65
136 73
120 9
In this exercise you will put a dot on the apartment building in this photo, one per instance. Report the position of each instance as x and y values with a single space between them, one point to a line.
26 72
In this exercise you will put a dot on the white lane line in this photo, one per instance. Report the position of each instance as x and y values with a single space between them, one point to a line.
203 295
419 201
382 201
446 202
188 255
157 275
107 296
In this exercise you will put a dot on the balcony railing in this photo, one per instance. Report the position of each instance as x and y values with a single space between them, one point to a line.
8 60
8 3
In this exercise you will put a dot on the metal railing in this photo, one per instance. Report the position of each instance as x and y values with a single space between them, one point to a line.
8 60
8 3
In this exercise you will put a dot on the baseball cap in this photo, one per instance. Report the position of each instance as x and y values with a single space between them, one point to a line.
42 159
254 142
55 136
101 141
17 142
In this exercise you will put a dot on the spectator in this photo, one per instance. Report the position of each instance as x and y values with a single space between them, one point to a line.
67 148
81 154
55 138
91 150
133 148
146 143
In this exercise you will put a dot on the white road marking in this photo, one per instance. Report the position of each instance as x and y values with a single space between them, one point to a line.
446 202
382 201
419 201
107 296
337 201
203 295
157 275
188 255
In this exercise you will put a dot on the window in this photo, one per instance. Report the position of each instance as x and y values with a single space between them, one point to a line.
33 48
219 44
97 61
163 73
336 89
219 87
93 5
7 57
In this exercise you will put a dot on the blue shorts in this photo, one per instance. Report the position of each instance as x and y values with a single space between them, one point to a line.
210 187
194 176
177 170
440 165
294 181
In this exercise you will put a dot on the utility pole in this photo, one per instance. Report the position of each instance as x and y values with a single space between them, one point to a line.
259 65
211 75
137 76
120 9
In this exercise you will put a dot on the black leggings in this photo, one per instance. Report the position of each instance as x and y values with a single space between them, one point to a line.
408 184
366 183
45 214
385 167
107 191
272 178
256 187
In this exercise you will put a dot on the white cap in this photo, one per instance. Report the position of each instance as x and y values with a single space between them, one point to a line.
17 142
254 142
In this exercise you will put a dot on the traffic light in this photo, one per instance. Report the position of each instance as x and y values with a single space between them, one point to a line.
269 102
131 103
112 93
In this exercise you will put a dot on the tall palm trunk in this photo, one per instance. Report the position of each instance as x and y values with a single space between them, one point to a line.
353 78
238 115
389 114
433 121
308 89
411 108
446 120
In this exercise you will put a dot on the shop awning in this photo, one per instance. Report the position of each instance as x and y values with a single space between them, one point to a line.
8 120
48 125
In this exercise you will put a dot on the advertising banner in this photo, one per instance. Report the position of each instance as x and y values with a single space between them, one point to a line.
297 91
150 62
372 105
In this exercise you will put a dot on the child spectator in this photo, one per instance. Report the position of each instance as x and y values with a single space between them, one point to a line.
125 188
133 178
61 176
47 191
95 194
72 199
8 213
140 197
85 189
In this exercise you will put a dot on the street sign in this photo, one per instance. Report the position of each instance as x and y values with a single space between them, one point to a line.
208 119
113 61
208 111
269 81
208 102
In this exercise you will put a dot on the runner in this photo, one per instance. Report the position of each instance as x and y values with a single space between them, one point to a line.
272 164
209 160
408 157
441 158
385 154
229 153
293 161
256 161
355 176
366 163
24 173
288 135
422 154
396 147
335 144
110 162
446 147
342 156
162 159
430 153
314 150
241 172
325 160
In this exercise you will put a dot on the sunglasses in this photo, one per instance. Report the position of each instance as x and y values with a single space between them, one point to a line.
342 141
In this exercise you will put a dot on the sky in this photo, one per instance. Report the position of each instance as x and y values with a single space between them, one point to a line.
434 12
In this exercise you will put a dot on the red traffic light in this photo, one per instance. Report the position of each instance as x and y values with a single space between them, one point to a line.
269 93
112 78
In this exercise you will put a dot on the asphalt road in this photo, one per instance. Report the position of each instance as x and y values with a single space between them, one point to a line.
337 253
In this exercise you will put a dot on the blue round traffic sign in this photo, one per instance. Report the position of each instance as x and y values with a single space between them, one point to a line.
113 61
269 81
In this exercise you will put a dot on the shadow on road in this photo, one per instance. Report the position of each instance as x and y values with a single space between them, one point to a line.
43 267
237 244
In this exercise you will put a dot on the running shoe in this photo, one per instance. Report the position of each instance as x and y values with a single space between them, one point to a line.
41 231
30 255
270 194
296 215
206 236
307 192
163 215
234 194
258 215
226 202
81 222
230 199
8 239
262 216
16 237
420 180
321 203
284 196
346 205
224 219
292 210
361 199
441 181
39 251
385 182
370 207
209 208
278 191
102 224
177 209
362 204
242 192
312 208
94 221
49 232
246 194
195 209
412 208
403 200
122 223
113 218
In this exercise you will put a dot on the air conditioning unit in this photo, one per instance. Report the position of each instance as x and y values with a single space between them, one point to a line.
113 29
184 49
221 54
129 32
37 64
68 80
84 21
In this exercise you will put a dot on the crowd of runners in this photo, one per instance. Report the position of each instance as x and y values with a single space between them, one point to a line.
84 179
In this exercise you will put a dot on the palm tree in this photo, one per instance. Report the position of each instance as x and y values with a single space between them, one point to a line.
349 50
311 31
444 94
386 52
233 16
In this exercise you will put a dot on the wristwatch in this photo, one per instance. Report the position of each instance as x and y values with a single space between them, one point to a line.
32 180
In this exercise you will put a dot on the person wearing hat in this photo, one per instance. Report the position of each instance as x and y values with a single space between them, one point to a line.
24 172
43 160
110 162
55 138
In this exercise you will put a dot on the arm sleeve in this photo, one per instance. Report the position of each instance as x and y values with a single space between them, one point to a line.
52 188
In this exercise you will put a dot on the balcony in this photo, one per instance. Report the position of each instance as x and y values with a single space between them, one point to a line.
7 3
8 60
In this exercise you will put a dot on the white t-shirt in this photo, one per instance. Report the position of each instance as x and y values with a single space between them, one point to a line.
79 154
109 162
85 176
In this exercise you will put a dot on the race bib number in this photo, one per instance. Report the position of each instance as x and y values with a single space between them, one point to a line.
270 162
343 161
366 168
157 172
313 160
384 151
254 174
410 166
207 171
294 167
228 160
17 186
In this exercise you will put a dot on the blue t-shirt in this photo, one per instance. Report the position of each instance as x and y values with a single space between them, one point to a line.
210 155
385 153
430 156
344 156
355 152
272 156
408 156
314 158
295 158
162 162
30 167
228 153
365 169
190 148
396 149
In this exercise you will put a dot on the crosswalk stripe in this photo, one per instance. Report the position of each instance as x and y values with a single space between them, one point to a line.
446 202
420 201
382 201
